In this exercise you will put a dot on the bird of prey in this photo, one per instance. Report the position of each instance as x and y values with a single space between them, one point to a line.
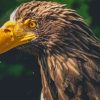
65 48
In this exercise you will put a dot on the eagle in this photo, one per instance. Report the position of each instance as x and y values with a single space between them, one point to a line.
67 51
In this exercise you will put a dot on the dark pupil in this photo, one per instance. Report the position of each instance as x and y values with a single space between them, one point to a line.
32 24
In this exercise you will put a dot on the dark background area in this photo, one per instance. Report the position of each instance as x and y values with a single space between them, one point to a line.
19 73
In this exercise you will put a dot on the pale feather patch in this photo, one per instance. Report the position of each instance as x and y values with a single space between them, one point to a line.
13 14
42 96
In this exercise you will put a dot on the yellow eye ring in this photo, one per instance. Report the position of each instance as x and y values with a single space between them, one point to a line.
30 23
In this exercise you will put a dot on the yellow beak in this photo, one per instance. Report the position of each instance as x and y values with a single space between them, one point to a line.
11 35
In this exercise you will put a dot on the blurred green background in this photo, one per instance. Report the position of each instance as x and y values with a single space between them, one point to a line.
19 72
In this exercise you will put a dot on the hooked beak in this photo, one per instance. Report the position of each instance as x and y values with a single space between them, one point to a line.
12 35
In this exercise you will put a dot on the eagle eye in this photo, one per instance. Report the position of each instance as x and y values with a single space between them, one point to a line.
30 23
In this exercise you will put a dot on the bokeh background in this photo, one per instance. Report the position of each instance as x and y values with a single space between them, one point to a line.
19 73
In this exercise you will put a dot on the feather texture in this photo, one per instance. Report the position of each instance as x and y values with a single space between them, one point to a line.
67 50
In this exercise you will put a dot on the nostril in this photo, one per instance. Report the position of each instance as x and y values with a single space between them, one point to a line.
7 30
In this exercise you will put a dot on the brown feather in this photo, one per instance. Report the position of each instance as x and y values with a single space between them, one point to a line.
68 52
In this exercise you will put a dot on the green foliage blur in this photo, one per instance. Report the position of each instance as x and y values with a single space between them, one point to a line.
7 6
